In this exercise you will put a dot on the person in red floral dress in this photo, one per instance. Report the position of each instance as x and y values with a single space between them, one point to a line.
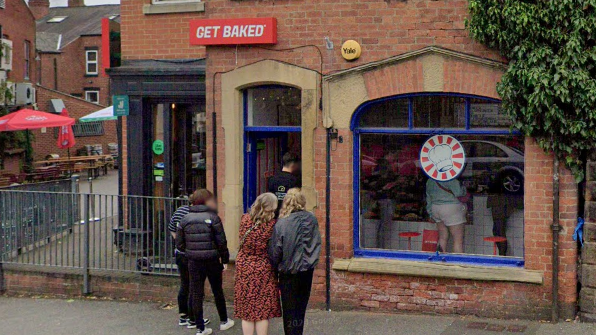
256 292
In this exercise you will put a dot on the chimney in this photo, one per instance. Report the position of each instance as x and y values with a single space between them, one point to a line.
39 8
76 3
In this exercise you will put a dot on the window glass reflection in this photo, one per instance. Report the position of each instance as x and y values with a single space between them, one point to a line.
395 195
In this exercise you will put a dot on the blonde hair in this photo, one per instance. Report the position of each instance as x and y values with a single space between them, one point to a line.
293 202
263 209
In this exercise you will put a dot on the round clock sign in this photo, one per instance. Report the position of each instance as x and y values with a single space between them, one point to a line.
442 157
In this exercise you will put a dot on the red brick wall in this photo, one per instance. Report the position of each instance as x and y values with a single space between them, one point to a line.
403 293
384 29
18 25
45 143
71 70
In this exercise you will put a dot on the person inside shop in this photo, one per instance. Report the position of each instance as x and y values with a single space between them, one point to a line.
256 292
446 206
502 206
200 235
294 251
383 182
186 318
286 179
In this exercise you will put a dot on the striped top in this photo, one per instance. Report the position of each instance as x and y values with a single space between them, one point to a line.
178 215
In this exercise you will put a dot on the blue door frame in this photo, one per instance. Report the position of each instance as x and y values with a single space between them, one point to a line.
409 255
252 134
251 138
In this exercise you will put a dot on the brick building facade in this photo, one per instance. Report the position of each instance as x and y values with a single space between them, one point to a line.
18 26
411 51
45 141
71 55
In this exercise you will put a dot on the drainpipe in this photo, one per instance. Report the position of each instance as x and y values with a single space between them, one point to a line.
328 222
556 227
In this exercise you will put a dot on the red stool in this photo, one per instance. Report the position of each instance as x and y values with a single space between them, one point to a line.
495 240
409 235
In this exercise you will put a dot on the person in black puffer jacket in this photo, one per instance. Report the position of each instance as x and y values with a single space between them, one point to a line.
201 237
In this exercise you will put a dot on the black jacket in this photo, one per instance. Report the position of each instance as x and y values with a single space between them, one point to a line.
201 236
295 245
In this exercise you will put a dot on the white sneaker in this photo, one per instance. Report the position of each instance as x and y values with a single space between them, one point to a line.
226 325
207 331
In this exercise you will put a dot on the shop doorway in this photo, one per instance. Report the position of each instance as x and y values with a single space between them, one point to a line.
272 118
264 159
178 149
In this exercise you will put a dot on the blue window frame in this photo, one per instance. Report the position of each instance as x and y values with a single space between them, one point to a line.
464 125
272 124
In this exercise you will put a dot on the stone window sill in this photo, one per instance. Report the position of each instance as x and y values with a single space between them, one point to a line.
438 270
178 7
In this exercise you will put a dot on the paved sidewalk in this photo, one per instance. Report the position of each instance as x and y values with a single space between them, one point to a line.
25 316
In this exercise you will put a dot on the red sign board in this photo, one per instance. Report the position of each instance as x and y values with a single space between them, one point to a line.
233 31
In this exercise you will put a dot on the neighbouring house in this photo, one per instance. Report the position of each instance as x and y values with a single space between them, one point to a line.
383 100
69 42
17 64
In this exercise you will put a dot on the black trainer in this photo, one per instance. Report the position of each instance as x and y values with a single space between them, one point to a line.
183 321
193 325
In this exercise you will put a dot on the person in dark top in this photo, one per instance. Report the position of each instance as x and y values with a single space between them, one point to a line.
201 237
286 179
184 302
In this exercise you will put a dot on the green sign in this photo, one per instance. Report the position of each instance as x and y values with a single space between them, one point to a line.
158 147
158 173
120 104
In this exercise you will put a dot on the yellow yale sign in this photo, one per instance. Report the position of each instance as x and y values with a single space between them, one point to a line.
351 50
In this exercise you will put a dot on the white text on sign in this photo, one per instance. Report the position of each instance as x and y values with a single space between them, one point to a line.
231 31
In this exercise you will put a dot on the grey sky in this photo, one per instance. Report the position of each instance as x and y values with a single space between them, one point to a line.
55 3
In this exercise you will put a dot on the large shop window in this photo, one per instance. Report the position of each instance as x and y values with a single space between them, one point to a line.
405 147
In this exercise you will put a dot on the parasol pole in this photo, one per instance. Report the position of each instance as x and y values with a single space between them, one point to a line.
28 150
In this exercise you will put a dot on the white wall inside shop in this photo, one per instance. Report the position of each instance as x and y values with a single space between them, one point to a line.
474 233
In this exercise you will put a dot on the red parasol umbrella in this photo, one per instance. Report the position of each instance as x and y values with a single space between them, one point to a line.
66 139
26 119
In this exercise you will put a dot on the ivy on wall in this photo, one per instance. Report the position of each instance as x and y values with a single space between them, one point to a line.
549 89
8 139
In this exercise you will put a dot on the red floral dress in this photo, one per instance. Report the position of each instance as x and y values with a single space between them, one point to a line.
256 293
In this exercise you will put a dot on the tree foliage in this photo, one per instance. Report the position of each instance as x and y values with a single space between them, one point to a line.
549 89
8 139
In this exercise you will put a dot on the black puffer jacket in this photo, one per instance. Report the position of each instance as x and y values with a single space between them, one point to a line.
201 236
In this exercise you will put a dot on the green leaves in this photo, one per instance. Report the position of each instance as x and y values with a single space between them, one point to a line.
549 89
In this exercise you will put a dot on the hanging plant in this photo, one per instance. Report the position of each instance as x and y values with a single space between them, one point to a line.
549 88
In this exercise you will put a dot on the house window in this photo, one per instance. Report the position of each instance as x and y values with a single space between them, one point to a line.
92 96
27 63
91 62
3 4
172 1
57 19
85 129
401 211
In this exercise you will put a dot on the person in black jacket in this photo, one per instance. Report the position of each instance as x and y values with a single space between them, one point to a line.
294 251
201 237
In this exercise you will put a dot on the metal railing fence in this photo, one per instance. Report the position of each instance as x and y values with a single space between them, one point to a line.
87 231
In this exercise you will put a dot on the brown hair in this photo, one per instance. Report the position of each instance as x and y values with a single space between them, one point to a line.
293 202
200 196
263 209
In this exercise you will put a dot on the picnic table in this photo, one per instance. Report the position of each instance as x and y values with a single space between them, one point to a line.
92 164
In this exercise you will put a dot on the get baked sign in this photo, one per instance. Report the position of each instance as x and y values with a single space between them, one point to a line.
233 31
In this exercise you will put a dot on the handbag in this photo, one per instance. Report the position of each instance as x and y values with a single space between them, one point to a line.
464 199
